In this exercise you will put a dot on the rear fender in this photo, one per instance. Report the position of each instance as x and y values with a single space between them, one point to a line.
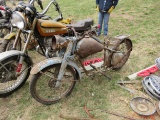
53 61
124 37
7 54
10 36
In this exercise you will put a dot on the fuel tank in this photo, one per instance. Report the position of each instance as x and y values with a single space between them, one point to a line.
50 27
88 46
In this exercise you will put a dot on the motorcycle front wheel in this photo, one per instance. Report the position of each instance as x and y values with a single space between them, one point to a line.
4 31
9 80
43 84
8 45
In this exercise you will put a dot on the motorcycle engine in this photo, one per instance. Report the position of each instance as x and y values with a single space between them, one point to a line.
50 44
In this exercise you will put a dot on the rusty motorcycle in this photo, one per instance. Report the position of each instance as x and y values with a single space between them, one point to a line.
55 78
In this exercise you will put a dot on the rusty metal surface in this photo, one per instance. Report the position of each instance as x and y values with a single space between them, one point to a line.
142 106
39 66
52 61
88 46
118 52
111 45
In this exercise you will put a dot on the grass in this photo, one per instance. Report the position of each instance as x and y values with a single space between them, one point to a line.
140 19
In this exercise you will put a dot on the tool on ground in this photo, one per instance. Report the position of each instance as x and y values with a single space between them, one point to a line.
122 83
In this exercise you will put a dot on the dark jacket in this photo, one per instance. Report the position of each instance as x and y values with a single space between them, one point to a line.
105 6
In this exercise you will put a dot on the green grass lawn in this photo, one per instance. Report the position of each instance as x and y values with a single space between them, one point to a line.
138 18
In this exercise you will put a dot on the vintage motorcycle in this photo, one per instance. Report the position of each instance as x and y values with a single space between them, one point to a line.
5 27
55 78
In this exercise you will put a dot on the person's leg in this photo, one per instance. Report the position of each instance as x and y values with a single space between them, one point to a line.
106 20
100 21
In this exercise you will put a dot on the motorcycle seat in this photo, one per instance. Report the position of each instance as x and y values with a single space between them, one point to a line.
82 25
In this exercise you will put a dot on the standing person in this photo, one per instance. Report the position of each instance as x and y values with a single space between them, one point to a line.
105 7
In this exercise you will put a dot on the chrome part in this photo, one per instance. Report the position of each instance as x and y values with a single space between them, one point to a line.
46 9
10 53
17 19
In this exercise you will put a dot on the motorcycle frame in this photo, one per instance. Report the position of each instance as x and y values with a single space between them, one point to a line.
71 56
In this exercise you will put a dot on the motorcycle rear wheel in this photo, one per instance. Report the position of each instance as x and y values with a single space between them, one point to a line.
124 48
9 82
8 44
42 85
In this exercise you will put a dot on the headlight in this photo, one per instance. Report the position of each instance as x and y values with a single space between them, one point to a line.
18 20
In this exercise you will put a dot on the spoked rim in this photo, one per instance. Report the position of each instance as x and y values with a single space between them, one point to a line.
123 52
45 90
10 45
4 32
7 82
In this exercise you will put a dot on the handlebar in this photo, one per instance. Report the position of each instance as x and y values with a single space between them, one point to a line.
46 9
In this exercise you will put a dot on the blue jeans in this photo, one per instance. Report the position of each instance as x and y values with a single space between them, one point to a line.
103 17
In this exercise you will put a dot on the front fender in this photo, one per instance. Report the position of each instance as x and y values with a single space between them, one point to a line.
7 54
53 61
10 36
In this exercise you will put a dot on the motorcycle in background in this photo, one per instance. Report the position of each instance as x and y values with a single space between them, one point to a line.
7 29
5 14
9 39
5 26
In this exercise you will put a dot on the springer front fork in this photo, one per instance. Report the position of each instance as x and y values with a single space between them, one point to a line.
64 63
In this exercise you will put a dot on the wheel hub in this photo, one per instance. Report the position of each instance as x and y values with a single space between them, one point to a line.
52 83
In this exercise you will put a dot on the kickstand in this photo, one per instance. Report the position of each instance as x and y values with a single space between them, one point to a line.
108 77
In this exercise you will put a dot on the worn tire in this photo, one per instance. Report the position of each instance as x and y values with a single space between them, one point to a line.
6 45
42 82
10 84
127 45
4 31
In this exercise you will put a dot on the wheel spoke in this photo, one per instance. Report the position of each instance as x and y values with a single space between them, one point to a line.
9 81
43 86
